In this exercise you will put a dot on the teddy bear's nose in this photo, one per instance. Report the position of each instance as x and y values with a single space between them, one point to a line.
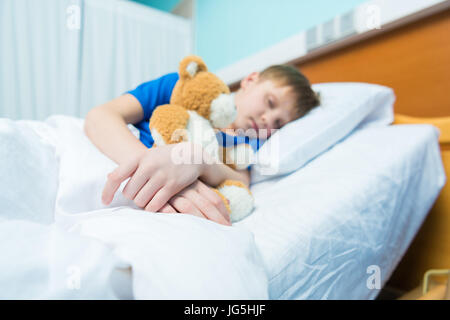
223 111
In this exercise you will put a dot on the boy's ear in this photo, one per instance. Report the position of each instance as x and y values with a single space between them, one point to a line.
191 66
252 77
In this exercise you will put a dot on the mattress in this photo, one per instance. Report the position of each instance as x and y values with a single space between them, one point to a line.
337 228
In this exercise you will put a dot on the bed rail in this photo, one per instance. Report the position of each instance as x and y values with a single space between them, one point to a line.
431 246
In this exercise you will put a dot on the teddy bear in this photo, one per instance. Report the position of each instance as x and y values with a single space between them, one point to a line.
201 103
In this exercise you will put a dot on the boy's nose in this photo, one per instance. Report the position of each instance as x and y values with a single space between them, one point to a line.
267 122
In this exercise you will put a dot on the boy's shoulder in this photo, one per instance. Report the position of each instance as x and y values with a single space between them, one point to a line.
173 76
155 92
169 77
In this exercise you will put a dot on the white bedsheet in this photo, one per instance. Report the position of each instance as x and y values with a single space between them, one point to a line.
324 229
313 234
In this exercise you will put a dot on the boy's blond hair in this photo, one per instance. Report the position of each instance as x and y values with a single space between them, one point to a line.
284 75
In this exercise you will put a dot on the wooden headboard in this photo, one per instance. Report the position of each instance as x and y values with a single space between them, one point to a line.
414 60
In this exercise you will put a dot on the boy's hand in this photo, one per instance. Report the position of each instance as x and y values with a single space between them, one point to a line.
200 200
156 175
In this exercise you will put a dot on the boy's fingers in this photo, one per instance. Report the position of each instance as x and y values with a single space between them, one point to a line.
115 178
167 208
161 197
216 200
135 184
148 191
184 205
205 206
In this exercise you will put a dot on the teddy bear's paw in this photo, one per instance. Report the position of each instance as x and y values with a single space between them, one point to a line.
241 156
240 199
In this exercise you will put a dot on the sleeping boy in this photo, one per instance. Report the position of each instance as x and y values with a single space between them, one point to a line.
265 101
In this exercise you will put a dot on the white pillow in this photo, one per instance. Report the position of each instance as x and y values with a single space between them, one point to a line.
344 106
29 174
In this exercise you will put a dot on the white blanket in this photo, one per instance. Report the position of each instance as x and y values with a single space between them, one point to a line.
97 252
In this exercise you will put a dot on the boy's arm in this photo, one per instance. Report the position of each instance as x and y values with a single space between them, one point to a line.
215 173
106 127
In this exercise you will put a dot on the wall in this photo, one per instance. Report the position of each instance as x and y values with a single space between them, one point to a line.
229 30
163 5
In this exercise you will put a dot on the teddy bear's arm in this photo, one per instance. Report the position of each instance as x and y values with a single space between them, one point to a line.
238 157
168 124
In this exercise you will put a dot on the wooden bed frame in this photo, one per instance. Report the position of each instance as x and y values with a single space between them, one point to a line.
413 58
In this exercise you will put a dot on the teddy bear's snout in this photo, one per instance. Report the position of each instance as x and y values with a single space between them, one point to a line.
223 111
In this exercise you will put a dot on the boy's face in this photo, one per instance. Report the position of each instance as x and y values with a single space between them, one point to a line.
262 105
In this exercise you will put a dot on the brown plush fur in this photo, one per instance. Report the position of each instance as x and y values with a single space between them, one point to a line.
168 120
182 68
197 95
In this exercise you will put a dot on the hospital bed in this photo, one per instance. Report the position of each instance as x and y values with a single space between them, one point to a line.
334 227
319 232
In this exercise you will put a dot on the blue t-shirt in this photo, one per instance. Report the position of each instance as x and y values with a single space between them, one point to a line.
158 92
227 140
152 94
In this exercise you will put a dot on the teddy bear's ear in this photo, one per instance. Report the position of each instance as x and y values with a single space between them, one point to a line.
190 66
